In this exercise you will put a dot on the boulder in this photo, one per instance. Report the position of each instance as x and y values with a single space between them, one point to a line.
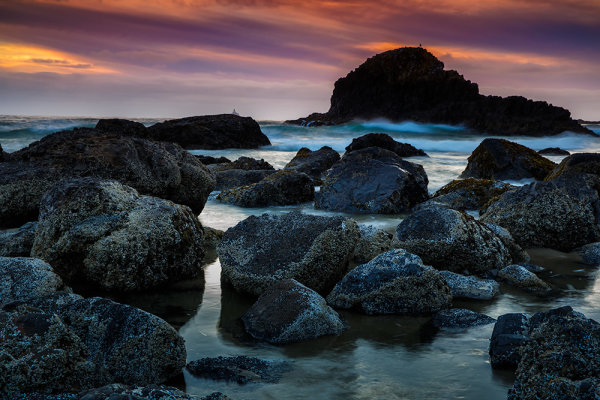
240 369
18 242
470 193
590 253
243 163
561 360
22 278
211 237
372 242
395 282
104 234
314 163
372 181
158 169
384 141
452 240
290 312
260 251
209 160
577 164
460 318
65 343
519 276
502 159
554 151
232 178
510 332
411 84
561 214
122 127
282 188
517 253
470 287
211 132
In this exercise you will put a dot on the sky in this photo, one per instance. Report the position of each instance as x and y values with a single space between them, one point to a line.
279 59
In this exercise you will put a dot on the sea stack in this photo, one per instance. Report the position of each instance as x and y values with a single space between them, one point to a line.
410 83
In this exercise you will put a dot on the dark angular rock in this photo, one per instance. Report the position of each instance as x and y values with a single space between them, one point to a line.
374 181
211 132
577 164
518 276
244 163
18 243
395 282
510 332
290 312
240 369
105 234
384 141
502 159
158 169
561 214
470 193
122 127
372 243
232 178
460 318
452 240
411 84
554 151
22 278
470 287
282 188
313 163
3 154
260 251
208 160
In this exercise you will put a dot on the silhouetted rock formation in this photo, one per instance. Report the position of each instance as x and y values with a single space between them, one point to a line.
411 84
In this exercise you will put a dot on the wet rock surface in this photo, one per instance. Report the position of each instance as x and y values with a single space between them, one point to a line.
459 318
395 282
22 278
372 180
211 132
384 141
18 243
502 159
240 369
470 193
104 234
289 312
519 276
451 240
159 169
313 163
577 164
590 253
510 332
260 251
282 188
470 287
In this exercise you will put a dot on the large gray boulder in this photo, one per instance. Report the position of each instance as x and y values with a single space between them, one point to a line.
18 242
395 282
158 169
105 234
313 163
22 278
64 343
561 214
502 159
260 251
372 181
452 240
290 312
282 188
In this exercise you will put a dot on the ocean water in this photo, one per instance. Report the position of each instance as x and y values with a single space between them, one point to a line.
379 357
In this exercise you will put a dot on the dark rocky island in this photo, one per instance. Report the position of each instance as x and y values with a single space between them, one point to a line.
410 83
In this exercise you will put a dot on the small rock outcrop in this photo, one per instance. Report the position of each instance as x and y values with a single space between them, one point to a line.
233 178
519 276
470 193
105 234
410 83
18 243
122 127
510 332
554 151
372 243
395 282
372 181
282 188
460 318
577 164
314 163
561 214
451 240
240 369
209 160
502 159
158 169
260 251
290 312
590 253
211 132
384 141
470 287
22 278
243 163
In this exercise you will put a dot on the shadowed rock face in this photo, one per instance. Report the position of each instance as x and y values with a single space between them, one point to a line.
577 164
23 277
411 84
470 193
18 243
313 163
384 141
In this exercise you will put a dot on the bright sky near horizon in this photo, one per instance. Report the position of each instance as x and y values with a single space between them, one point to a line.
278 59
